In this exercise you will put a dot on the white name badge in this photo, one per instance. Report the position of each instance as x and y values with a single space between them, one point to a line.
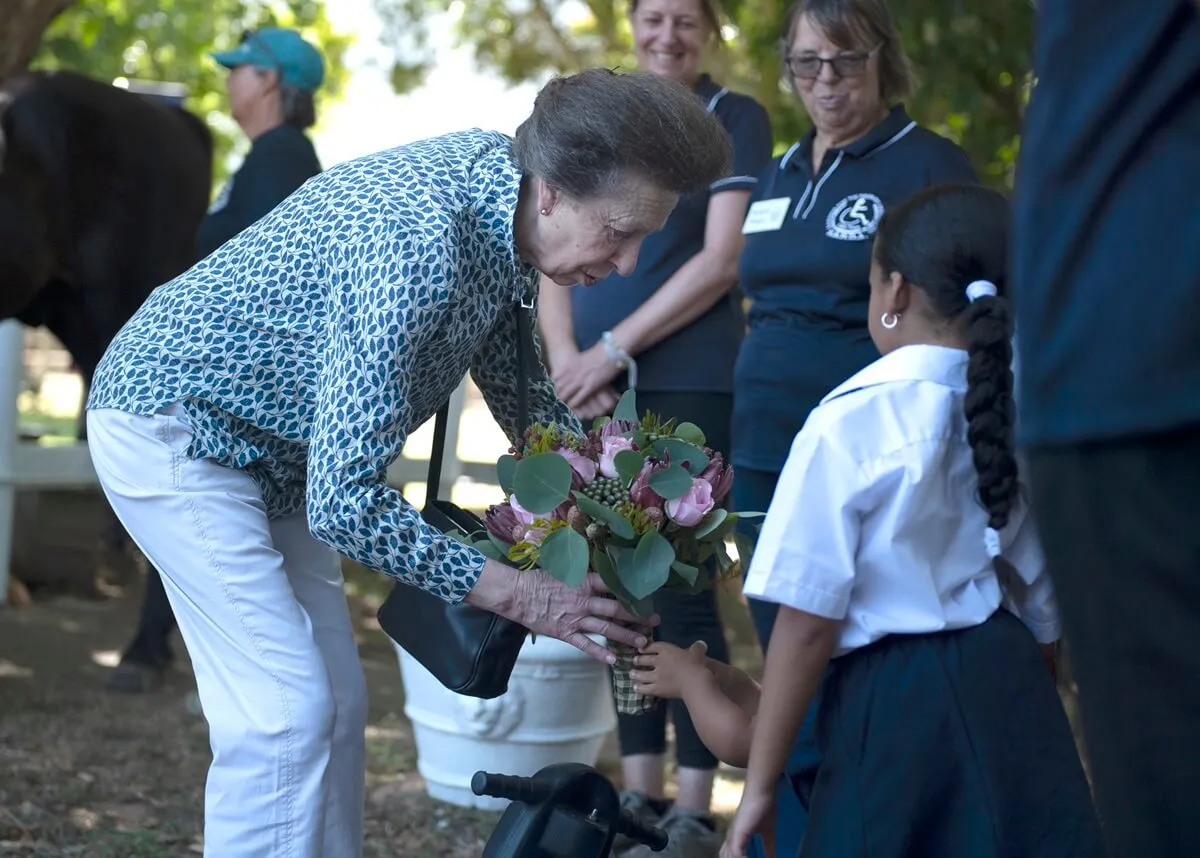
766 215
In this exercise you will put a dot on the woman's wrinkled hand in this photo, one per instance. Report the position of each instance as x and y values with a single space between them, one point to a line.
546 606
580 377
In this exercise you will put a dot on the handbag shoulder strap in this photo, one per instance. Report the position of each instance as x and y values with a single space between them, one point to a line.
441 423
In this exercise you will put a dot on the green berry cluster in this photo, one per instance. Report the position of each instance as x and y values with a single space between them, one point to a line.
609 491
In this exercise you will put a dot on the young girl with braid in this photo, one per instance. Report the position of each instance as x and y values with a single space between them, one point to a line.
900 545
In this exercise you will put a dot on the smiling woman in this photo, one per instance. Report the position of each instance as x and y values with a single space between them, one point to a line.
670 327
243 422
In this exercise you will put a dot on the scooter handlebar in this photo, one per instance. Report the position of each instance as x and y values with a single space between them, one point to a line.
529 791
652 836
513 787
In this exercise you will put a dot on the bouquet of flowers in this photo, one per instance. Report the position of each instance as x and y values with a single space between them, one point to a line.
637 500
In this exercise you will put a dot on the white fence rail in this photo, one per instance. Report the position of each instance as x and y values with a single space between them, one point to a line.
29 466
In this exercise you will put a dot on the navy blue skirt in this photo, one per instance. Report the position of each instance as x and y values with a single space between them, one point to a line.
951 745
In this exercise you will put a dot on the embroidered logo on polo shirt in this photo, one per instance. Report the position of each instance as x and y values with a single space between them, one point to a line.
854 218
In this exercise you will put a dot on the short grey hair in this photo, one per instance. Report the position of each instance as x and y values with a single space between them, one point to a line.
593 130
297 106
859 25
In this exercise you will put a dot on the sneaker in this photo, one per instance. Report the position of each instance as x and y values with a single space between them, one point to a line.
690 835
646 810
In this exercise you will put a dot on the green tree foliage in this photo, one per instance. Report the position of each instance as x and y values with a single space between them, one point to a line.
169 40
973 58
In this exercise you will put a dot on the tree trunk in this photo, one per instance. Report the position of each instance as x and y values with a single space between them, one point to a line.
22 23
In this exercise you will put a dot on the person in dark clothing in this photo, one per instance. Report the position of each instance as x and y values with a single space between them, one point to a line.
274 74
1105 245
807 260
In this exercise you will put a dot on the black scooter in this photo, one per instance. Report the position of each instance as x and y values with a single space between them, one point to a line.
567 810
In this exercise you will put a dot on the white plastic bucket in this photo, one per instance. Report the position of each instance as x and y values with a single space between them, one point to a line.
558 708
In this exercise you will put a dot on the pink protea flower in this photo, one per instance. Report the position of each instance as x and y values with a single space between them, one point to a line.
719 476
502 522
639 490
617 427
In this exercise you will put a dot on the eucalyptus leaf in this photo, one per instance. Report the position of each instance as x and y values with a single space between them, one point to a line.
681 452
627 408
564 555
671 482
541 482
603 566
691 433
725 563
506 467
629 464
715 519
686 571
745 548
723 531
616 522
640 607
500 544
489 549
649 567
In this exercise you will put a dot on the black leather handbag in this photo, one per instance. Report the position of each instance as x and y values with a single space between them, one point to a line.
468 650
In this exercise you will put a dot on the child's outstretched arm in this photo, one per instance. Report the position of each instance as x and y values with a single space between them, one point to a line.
720 698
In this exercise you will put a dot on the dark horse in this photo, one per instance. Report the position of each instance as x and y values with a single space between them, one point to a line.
101 193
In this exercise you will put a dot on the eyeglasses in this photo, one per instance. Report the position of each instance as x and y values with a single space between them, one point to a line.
809 66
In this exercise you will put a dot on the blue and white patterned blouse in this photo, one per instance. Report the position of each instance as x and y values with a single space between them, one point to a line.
306 349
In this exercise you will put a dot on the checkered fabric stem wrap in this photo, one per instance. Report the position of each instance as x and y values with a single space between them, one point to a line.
628 701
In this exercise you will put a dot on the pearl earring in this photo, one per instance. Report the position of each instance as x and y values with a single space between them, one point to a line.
544 211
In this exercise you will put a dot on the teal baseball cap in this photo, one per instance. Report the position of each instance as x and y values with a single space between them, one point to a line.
297 62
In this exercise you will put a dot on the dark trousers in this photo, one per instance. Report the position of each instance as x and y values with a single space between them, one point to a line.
1122 538
685 618
752 492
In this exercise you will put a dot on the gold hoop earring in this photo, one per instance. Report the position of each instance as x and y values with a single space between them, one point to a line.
889 323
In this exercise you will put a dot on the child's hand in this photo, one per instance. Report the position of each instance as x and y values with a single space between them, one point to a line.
662 669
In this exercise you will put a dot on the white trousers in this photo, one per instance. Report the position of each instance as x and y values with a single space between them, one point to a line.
262 611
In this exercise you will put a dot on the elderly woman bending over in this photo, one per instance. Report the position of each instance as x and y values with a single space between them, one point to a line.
243 422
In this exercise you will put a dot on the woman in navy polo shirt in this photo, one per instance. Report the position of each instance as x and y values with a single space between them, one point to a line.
670 327
807 257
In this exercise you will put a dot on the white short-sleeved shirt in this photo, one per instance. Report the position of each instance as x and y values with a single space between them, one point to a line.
875 520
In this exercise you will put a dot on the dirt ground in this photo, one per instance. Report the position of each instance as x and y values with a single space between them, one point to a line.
84 772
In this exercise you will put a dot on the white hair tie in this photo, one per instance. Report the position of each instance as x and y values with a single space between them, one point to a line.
991 541
979 289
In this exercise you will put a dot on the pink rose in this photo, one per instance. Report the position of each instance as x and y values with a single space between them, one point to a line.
690 509
610 446
535 535
584 467
523 515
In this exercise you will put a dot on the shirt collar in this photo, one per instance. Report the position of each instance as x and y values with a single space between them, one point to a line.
937 364
706 88
896 123
495 189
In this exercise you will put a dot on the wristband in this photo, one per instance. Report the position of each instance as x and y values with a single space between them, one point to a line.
620 357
